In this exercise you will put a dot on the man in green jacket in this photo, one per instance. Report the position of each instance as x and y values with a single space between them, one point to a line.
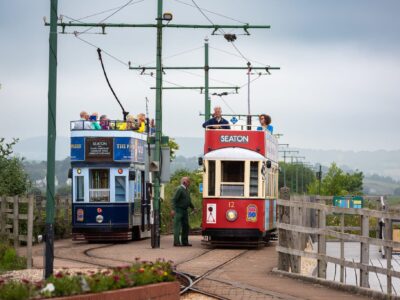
180 204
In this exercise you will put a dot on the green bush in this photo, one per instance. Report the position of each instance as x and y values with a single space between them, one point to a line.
9 259
170 188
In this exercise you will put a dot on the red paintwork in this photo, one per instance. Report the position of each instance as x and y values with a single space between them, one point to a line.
256 141
240 205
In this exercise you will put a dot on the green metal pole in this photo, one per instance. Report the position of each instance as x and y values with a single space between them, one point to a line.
51 142
155 239
207 99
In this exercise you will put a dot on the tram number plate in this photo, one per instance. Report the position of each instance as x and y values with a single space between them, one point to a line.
231 204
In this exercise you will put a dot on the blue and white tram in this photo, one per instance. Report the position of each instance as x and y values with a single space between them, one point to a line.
110 198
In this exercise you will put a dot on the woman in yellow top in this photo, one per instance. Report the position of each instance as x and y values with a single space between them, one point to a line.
142 122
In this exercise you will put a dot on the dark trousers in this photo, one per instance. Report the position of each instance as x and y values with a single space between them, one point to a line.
181 226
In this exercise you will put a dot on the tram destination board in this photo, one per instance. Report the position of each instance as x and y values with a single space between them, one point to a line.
99 149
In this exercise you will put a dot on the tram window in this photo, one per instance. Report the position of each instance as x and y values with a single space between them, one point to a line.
120 188
232 171
253 178
80 189
211 178
232 181
99 190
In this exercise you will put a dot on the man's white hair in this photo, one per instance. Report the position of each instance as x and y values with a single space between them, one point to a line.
184 179
217 107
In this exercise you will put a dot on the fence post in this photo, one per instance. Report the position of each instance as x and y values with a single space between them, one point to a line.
30 232
283 217
364 255
342 248
388 254
322 244
16 222
295 238
3 215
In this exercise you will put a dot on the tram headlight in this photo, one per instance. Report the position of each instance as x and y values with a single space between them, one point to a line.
99 219
231 215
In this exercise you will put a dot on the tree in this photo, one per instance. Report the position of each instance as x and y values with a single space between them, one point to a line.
169 191
13 179
298 176
336 182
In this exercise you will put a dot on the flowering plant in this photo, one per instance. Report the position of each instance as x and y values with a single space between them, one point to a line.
65 284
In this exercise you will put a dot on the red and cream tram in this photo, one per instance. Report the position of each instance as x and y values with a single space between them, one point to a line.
240 187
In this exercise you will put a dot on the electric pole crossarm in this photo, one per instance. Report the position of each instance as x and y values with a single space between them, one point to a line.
203 68
197 88
191 26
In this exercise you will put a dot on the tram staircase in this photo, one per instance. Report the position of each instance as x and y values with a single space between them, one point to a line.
305 232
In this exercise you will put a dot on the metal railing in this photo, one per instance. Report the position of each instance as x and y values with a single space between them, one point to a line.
106 125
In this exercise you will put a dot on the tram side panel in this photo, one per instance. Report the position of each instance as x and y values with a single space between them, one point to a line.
233 218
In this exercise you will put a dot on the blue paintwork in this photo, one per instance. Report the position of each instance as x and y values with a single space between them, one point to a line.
77 148
117 213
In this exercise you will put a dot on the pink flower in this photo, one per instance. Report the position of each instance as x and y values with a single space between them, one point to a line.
116 278
59 275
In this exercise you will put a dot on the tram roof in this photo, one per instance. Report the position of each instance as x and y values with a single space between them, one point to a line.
234 153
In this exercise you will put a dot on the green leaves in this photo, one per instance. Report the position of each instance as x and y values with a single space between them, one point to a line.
336 182
13 179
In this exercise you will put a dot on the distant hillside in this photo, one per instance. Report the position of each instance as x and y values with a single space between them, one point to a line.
381 162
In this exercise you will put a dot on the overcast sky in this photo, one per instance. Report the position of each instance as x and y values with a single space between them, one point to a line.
338 87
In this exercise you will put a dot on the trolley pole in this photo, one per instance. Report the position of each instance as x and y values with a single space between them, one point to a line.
51 142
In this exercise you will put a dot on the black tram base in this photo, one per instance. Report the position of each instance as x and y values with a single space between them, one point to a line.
246 238
105 234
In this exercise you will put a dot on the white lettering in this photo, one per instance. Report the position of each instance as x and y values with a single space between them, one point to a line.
234 139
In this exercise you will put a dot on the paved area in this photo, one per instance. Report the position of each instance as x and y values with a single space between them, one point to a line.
251 271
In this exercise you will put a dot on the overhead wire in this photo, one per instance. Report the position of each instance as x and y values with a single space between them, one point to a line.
233 54
110 55
202 76
174 55
116 11
212 12
220 29
102 12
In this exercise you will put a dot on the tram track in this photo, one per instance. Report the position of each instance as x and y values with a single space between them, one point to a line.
206 285
86 253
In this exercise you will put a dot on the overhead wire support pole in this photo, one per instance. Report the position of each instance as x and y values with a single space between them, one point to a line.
155 237
207 100
51 142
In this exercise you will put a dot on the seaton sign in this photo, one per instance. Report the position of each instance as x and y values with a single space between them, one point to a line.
244 139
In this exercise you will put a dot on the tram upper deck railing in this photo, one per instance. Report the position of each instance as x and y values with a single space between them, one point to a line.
117 125
237 127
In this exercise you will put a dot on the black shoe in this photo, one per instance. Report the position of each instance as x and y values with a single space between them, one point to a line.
187 245
178 245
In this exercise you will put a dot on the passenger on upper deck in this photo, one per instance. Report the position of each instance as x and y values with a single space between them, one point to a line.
217 122
104 122
83 123
265 121
152 129
142 122
93 118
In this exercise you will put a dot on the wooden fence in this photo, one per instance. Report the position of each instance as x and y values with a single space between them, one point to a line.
23 217
294 228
